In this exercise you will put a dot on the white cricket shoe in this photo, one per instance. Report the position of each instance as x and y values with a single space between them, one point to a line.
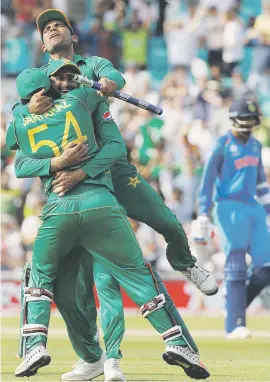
202 279
85 371
38 357
189 361
112 371
239 333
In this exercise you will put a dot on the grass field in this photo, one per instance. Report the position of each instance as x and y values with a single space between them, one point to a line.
238 360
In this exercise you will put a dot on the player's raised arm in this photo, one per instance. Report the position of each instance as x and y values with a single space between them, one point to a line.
103 70
113 147
210 173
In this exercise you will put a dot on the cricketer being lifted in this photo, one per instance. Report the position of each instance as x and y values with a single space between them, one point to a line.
112 318
241 212
89 217
132 191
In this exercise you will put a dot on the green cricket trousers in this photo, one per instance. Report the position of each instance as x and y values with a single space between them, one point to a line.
95 221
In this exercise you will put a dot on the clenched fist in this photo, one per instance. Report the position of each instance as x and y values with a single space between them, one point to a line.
108 86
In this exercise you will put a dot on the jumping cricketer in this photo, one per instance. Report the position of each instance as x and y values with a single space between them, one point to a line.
131 190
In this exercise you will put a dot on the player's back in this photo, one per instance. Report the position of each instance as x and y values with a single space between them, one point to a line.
69 120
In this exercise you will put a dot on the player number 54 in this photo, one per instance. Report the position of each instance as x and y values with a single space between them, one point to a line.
70 121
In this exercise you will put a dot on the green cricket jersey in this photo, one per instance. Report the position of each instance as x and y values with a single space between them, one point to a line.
80 115
94 68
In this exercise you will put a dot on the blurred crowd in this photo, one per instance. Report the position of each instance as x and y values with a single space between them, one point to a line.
190 57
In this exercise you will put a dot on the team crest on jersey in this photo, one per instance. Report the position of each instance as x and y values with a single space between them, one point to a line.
134 181
234 149
107 115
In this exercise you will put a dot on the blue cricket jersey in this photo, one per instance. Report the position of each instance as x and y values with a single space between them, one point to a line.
236 170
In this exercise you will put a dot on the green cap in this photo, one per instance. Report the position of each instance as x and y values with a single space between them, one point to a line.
54 66
52 14
30 80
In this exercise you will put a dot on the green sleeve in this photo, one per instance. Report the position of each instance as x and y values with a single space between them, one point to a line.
27 167
113 147
104 68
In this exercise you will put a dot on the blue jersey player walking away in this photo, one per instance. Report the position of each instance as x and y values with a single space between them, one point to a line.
234 174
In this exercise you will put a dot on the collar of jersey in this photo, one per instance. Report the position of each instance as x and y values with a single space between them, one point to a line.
76 58
238 140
